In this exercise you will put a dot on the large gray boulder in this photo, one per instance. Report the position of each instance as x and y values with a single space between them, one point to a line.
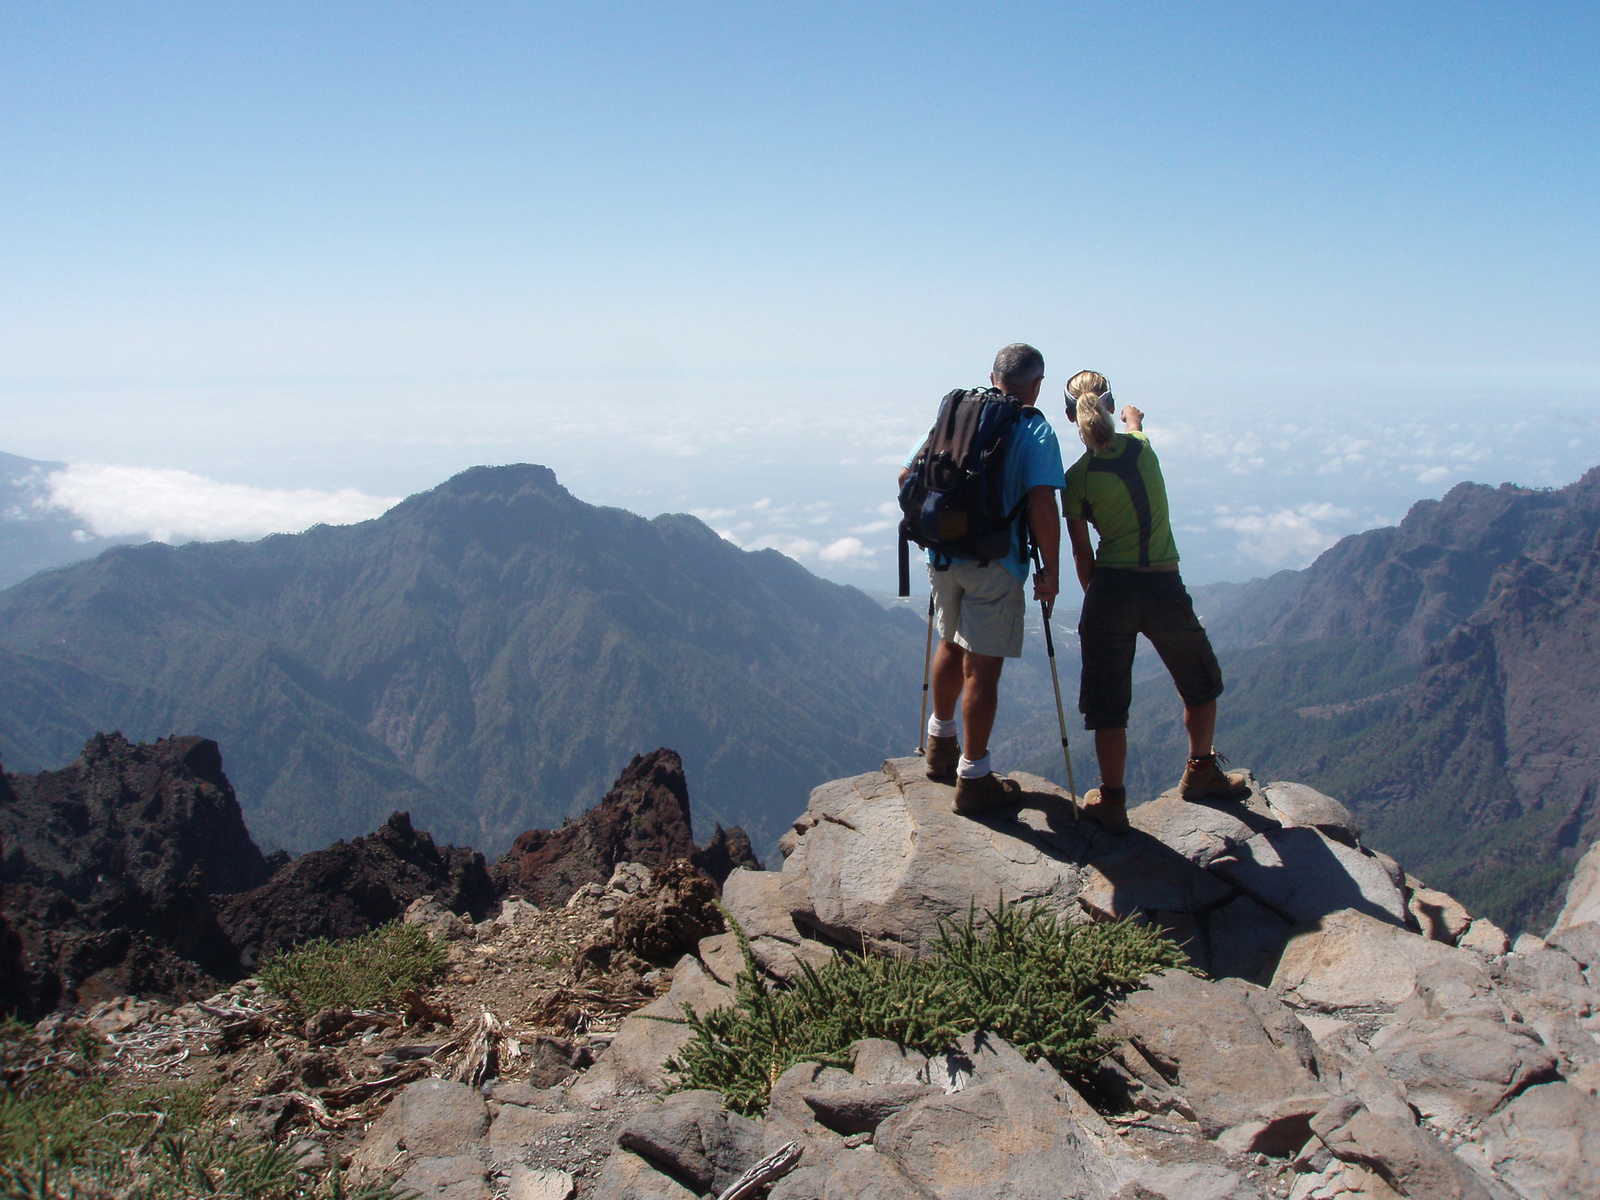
1013 1136
427 1134
883 858
692 1138
1406 1159
1229 1056
1546 1142
1351 959
880 860
1583 895
1303 875
1457 1070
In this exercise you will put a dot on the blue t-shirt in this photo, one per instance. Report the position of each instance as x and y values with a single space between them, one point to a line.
1033 459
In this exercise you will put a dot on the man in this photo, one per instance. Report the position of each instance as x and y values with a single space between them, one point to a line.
978 609
1132 586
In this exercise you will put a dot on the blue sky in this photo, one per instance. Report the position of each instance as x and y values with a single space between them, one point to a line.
725 259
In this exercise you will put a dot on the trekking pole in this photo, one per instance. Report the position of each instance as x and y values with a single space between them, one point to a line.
927 658
1055 683
1061 716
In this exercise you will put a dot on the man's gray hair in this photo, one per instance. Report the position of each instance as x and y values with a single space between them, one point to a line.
1018 365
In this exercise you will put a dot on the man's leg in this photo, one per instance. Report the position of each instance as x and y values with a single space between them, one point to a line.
943 752
980 698
991 629
949 669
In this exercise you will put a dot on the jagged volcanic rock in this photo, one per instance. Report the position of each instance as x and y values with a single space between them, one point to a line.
668 921
13 964
108 868
644 818
727 850
354 886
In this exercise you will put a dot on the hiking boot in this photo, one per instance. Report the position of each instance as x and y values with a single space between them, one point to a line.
1108 806
985 792
942 755
1204 779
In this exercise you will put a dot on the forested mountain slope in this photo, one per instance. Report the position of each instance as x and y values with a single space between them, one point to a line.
1438 675
487 655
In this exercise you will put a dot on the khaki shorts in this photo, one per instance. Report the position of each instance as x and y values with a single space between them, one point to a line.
978 608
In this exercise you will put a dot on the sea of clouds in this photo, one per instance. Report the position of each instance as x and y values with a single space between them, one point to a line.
180 506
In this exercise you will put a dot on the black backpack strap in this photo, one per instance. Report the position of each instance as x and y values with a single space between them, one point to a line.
905 562
1126 468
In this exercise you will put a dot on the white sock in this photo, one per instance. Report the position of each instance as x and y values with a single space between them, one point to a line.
969 768
938 728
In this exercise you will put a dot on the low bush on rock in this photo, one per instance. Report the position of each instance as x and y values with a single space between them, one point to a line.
374 970
70 1131
1018 972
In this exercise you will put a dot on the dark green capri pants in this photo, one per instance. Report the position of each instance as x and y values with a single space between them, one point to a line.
1118 607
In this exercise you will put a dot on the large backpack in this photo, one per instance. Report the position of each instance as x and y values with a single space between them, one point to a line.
953 500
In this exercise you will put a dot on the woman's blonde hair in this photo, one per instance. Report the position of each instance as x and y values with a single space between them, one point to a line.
1089 393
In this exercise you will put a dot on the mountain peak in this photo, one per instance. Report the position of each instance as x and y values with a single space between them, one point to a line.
512 486
503 480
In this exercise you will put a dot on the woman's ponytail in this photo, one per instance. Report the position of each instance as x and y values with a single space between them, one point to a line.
1090 394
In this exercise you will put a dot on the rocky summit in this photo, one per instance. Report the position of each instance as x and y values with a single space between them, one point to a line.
131 871
1354 1033
1343 1030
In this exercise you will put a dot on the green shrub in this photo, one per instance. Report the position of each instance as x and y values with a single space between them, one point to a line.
194 1165
374 970
1041 984
71 1132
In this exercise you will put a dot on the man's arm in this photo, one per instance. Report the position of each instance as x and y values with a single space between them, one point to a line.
1082 552
1044 522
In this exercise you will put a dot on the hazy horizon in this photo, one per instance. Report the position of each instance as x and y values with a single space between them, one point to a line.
273 267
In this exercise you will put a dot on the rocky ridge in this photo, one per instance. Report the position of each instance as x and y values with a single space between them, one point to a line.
1362 1035
644 818
131 871
352 887
110 868
1356 1034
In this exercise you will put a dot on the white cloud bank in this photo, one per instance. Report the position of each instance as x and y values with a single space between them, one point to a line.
846 549
178 506
1287 537
800 530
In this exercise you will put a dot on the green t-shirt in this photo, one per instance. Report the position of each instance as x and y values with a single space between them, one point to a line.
1121 493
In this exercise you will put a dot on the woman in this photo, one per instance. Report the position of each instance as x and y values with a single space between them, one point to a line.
1132 586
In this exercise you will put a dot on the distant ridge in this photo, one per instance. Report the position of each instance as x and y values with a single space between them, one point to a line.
486 655
1439 675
